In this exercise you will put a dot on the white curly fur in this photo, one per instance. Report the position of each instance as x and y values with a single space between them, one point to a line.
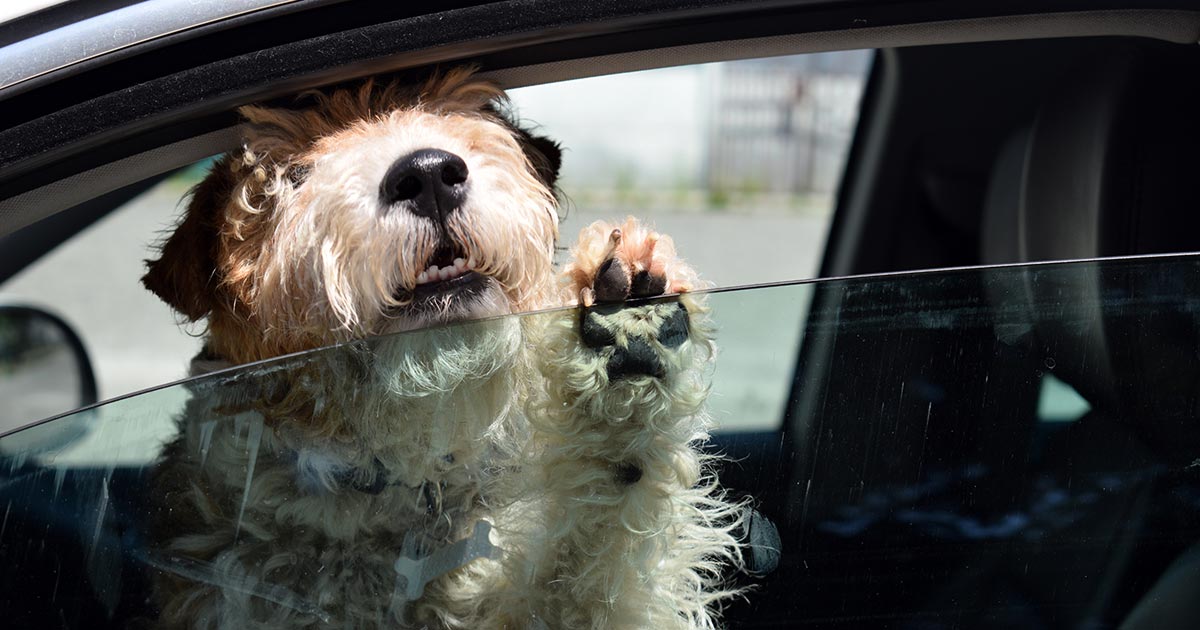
263 519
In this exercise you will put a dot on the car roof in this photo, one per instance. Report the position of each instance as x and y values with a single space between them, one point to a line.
34 47
157 102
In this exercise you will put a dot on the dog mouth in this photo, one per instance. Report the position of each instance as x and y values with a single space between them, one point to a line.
445 266
450 272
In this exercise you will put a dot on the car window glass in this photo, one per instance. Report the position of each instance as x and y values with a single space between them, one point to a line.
915 460
739 161
1059 402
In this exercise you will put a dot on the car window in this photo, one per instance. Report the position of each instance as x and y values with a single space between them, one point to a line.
738 161
921 481
93 281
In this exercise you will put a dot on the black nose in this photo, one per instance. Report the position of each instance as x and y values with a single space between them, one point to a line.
431 180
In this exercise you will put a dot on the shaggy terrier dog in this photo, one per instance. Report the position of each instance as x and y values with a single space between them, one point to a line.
532 472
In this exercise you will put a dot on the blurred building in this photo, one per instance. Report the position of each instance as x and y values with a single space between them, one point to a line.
783 125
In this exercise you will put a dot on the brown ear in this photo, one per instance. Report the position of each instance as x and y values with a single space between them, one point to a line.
185 274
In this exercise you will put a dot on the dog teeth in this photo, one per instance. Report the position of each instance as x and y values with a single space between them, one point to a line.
454 270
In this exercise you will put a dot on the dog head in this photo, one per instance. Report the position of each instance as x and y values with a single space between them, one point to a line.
365 212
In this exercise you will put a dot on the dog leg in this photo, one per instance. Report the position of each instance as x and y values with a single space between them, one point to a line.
636 529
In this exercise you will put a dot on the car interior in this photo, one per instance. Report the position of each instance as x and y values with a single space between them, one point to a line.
1061 149
905 445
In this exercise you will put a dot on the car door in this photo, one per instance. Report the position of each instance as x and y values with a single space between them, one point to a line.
923 427
970 484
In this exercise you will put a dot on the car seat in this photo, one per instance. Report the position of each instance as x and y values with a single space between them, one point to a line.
1110 167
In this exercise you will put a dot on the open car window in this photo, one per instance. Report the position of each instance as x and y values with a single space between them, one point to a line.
987 447
738 161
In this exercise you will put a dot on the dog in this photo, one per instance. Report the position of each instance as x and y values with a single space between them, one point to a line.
502 472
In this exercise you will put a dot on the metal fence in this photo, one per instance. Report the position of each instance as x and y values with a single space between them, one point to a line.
783 125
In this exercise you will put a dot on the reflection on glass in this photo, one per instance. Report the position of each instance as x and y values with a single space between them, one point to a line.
1060 402
901 455
40 371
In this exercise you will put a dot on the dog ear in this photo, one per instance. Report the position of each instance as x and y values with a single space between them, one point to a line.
185 274
545 155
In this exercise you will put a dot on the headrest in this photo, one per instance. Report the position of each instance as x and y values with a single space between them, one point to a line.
1110 166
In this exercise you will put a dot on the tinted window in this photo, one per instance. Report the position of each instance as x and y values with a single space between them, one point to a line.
921 479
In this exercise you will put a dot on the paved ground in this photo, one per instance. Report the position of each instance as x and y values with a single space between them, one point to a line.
135 341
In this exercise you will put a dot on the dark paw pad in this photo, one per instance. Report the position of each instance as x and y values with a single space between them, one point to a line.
612 282
645 285
591 326
667 323
675 329
637 358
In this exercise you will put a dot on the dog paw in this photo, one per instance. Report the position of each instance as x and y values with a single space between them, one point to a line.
615 264
632 336
618 263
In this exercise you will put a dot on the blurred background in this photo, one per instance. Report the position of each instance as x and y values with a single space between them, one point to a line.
738 161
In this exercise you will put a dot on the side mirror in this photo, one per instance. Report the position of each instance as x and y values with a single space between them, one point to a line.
44 369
